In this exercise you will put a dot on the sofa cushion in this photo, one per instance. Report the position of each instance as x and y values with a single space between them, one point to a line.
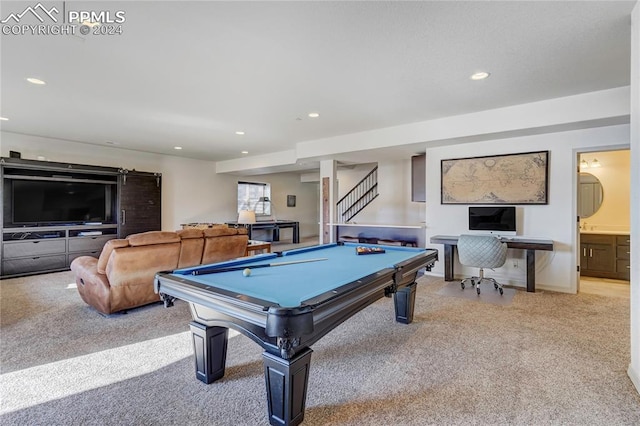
220 232
131 271
189 233
153 237
227 247
101 267
191 247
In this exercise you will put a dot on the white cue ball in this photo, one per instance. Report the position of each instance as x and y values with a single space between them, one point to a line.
246 272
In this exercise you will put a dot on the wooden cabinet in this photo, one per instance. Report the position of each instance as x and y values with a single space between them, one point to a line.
139 197
605 256
623 256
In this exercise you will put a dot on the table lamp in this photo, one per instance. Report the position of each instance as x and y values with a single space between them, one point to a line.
246 216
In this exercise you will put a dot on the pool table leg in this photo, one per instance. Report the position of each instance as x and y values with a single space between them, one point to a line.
286 381
404 300
210 350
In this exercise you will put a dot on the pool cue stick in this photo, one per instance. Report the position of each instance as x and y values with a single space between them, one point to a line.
260 265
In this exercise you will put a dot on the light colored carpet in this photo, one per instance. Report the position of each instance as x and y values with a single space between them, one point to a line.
549 359
488 294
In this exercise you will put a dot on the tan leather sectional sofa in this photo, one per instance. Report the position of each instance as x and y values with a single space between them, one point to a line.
122 277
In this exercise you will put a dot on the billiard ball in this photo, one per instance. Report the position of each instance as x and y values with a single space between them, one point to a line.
246 272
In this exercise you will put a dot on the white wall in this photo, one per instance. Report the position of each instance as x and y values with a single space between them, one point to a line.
393 206
307 202
191 189
556 220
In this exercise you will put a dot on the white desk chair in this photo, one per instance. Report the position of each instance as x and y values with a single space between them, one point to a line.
481 251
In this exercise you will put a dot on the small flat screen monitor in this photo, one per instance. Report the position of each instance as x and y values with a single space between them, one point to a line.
500 220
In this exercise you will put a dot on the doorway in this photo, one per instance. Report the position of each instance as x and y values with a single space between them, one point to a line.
604 189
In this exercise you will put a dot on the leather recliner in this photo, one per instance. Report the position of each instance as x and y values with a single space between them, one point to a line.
122 277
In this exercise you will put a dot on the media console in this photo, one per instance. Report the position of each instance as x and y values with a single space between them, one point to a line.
51 248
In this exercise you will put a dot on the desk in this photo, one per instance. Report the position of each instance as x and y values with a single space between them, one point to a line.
255 245
530 245
286 309
274 225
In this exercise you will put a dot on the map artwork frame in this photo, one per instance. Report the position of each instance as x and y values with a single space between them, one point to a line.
521 178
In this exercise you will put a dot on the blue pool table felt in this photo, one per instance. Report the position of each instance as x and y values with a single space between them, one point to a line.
290 285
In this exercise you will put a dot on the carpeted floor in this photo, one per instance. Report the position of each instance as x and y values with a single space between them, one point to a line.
544 358
488 294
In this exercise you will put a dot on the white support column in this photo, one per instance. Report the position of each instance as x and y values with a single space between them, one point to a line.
328 200
634 366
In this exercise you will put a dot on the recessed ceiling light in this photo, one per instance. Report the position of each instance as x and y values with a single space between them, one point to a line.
240 132
33 80
480 75
244 152
4 119
314 115
177 147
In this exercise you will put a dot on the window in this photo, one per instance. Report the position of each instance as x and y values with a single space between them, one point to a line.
254 196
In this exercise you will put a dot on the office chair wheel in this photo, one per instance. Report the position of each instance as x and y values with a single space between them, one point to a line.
495 286
478 290
501 292
462 285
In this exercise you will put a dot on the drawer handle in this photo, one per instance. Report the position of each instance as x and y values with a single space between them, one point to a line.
628 266
590 252
35 242
36 258
584 252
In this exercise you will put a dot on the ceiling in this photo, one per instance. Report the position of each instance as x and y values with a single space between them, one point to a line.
191 74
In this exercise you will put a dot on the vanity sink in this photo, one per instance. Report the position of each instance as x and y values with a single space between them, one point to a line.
605 230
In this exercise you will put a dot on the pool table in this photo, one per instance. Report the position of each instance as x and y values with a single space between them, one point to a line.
287 302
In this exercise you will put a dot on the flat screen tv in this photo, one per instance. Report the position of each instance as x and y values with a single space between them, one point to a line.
42 202
499 220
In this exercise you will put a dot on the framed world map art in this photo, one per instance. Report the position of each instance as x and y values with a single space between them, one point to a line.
498 179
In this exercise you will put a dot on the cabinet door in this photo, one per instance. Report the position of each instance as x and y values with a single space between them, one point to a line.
140 203
600 257
584 257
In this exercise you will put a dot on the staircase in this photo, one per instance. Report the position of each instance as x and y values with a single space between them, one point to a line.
358 198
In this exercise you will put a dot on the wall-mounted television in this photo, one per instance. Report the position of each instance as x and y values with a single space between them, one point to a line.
499 220
43 202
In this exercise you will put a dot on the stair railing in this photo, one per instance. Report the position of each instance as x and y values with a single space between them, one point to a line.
360 196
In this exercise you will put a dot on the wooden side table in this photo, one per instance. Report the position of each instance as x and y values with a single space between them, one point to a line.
254 246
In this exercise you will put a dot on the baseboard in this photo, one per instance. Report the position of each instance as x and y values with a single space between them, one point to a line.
635 377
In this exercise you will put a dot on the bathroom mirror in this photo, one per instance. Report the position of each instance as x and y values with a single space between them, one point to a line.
590 195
